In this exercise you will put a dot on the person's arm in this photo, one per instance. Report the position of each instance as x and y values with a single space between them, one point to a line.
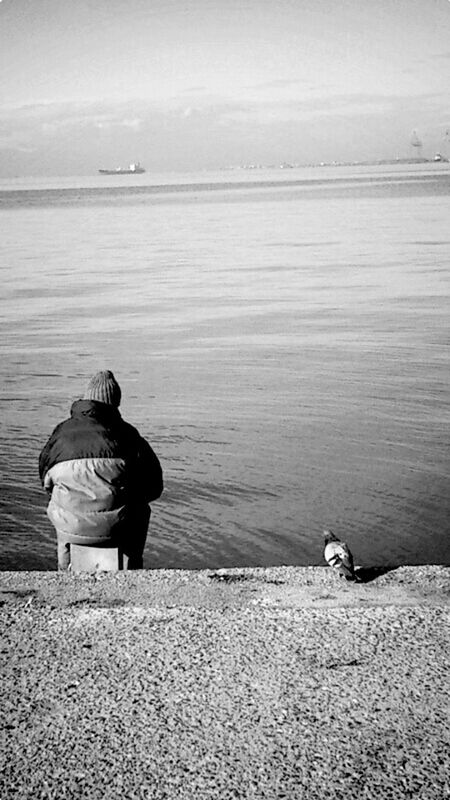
46 461
149 473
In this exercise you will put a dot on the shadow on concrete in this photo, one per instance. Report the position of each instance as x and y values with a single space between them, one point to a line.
240 577
369 574
20 592
97 602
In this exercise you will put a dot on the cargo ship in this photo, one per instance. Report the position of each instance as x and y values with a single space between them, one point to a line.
132 169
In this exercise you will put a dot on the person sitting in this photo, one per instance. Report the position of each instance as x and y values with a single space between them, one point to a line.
101 475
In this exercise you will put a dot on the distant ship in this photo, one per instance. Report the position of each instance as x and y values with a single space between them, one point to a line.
133 169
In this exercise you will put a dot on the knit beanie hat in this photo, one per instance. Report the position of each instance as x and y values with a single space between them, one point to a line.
104 388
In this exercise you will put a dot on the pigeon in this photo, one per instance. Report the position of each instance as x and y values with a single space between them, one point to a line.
338 556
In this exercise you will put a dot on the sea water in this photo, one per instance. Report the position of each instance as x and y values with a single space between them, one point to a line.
281 338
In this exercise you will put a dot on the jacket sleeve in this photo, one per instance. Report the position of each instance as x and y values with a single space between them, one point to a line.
149 478
46 458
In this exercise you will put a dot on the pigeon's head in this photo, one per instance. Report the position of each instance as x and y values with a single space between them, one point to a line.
329 537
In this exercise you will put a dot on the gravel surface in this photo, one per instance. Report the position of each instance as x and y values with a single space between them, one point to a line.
255 683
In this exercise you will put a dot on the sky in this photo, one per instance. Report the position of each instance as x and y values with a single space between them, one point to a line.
183 85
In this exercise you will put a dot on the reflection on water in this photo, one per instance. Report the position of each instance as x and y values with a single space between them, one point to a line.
286 353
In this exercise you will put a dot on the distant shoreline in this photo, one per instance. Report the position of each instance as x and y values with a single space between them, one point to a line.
51 195
250 167
369 163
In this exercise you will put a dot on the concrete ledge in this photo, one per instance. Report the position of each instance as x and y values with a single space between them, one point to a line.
247 683
285 586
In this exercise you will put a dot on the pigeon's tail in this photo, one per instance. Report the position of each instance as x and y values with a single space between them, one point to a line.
350 575
347 572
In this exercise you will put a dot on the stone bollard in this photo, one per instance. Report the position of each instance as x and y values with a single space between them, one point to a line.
97 559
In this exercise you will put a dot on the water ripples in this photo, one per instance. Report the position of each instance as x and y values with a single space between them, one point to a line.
286 359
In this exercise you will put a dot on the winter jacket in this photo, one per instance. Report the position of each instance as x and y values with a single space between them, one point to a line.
99 470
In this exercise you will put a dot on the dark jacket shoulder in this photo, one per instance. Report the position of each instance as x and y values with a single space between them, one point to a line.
97 430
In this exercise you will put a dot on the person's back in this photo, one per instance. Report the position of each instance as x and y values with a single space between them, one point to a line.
101 475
